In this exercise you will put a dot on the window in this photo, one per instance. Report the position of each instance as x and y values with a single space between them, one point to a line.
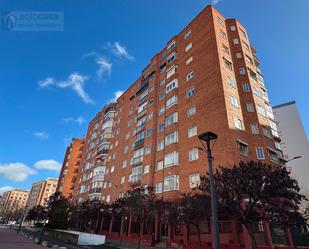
260 153
222 34
160 145
147 149
172 85
254 128
161 127
188 47
267 132
126 149
190 92
161 96
235 41
171 183
160 165
261 111
225 49
171 101
142 107
273 155
148 132
248 59
124 164
243 148
171 159
162 110
188 34
242 71
122 180
233 28
245 45
112 169
194 180
171 138
238 55
171 45
250 107
171 72
220 21
238 123
171 58
228 64
231 81
108 198
193 154
234 101
159 187
189 60
171 119
242 32
192 131
191 111
162 82
146 169
246 87
189 76
274 129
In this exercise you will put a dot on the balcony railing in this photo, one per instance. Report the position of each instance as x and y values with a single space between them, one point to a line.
102 152
137 160
140 128
141 114
136 179
98 177
138 143
95 190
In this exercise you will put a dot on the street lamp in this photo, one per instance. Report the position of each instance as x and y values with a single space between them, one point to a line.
206 139
294 158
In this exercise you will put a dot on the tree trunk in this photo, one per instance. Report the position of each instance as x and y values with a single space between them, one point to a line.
140 234
199 236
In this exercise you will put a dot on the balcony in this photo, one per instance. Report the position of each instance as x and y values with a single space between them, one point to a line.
139 143
141 114
135 180
104 140
135 161
95 191
140 128
98 177
102 152
256 60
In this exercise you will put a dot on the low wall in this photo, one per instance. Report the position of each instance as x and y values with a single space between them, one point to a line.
86 238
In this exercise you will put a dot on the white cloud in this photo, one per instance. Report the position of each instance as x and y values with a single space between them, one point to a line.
5 189
105 66
75 81
48 165
79 120
46 82
214 2
119 50
41 134
16 172
117 94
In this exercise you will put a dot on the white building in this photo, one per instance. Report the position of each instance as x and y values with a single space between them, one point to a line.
294 142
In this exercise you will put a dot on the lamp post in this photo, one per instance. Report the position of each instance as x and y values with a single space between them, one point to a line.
294 158
206 139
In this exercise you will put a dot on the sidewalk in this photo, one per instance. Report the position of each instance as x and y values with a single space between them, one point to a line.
9 239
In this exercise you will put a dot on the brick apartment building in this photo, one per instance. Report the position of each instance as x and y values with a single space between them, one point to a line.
41 191
206 78
70 168
13 200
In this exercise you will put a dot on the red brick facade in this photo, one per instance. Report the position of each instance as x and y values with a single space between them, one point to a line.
70 167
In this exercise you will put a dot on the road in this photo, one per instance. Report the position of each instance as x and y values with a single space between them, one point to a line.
9 239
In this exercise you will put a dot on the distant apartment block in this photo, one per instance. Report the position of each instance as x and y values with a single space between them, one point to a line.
13 200
41 191
70 168
294 141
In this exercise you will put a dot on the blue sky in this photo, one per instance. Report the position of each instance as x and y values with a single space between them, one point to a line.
53 83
